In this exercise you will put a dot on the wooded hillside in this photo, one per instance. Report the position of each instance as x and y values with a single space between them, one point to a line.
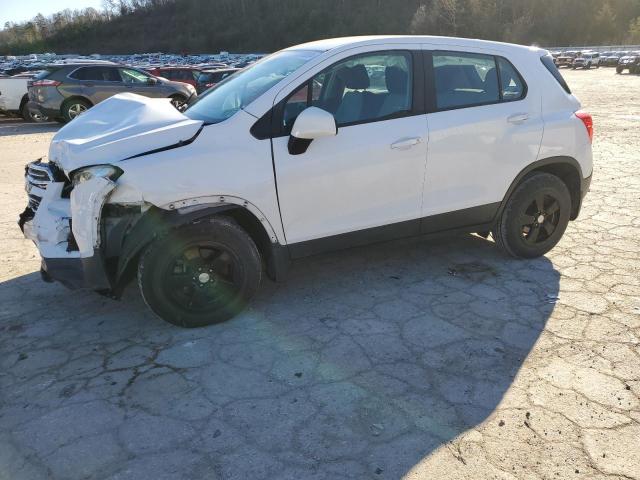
126 26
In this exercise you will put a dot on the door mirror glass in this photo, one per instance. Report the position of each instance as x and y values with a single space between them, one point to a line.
314 123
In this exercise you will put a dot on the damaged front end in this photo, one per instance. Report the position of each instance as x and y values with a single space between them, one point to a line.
63 219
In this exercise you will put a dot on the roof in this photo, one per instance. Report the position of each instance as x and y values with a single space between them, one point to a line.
174 67
335 43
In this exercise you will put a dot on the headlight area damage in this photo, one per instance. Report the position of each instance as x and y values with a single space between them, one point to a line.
63 219
69 216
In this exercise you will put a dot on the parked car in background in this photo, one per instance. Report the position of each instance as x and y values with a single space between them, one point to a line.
210 78
14 98
66 91
314 148
566 59
586 60
177 74
629 62
611 60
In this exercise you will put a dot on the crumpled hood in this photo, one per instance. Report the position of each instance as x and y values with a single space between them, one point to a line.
119 128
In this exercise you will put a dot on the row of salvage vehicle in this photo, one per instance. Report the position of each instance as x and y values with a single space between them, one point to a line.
62 91
621 60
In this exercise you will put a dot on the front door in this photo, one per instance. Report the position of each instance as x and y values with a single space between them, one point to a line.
135 81
371 173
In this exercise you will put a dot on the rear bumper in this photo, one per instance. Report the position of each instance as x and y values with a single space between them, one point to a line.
41 110
585 185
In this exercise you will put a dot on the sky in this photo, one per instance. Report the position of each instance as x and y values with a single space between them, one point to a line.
20 10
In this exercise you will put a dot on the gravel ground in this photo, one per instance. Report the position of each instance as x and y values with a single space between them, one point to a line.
425 359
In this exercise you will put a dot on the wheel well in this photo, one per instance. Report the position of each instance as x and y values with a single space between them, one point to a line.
254 228
571 178
132 243
566 169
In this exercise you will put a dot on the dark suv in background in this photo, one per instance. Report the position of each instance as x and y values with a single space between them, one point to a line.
65 91
631 62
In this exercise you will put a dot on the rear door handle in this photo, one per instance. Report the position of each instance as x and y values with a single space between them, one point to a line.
518 118
406 143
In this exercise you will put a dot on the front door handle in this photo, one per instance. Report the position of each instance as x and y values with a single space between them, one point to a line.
518 118
406 143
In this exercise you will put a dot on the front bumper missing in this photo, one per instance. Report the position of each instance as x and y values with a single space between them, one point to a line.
70 250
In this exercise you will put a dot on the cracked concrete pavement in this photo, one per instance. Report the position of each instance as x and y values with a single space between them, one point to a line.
424 359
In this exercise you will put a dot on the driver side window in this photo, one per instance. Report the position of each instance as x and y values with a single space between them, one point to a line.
132 76
365 88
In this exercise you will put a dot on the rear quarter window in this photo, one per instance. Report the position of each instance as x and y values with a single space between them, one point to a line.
547 61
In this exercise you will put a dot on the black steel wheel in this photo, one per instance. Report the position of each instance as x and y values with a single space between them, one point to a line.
540 219
200 274
535 216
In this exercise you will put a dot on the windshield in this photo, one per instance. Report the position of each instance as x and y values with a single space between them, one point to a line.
239 90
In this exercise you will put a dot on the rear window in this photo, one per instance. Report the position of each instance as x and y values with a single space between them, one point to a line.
547 61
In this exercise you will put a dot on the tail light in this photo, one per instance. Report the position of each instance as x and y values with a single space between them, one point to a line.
587 121
44 83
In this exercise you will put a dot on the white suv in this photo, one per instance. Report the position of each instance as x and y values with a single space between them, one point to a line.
587 60
317 147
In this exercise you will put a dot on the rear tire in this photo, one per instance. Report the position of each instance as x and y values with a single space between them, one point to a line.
200 274
30 117
74 108
535 217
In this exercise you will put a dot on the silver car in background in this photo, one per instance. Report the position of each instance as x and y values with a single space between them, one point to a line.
65 91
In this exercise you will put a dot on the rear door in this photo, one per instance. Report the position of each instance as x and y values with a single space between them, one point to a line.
98 82
370 175
485 126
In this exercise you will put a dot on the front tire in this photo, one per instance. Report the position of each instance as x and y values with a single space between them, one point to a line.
200 274
535 217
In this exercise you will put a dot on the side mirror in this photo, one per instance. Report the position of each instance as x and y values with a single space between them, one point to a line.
152 81
311 124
